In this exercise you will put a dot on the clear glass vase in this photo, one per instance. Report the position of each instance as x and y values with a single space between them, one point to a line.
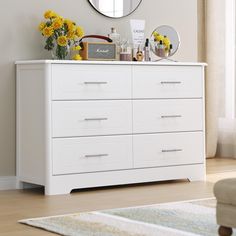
60 52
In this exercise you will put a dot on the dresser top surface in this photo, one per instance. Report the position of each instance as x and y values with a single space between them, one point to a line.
160 63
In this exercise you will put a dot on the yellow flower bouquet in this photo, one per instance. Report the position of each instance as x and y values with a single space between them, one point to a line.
61 35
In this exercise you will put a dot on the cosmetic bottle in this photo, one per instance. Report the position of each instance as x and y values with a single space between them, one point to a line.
161 49
147 51
115 39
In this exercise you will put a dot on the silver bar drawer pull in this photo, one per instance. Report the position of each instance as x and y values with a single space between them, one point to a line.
172 150
171 116
95 119
95 82
96 155
171 82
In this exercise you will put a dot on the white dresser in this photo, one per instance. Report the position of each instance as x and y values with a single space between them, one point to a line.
86 124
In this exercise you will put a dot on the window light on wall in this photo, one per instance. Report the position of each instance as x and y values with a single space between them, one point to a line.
112 8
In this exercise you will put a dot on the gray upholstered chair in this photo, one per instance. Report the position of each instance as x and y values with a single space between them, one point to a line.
225 193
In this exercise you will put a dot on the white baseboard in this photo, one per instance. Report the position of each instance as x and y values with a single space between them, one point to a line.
7 182
10 183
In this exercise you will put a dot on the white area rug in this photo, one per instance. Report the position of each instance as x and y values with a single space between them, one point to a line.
169 219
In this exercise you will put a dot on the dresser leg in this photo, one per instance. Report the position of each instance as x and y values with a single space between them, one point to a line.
198 176
56 191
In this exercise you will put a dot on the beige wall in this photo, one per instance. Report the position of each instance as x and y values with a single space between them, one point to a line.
201 30
21 40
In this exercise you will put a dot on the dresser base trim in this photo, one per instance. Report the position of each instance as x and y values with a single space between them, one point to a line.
64 184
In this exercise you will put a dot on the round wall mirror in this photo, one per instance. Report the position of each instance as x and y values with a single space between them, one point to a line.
115 8
165 41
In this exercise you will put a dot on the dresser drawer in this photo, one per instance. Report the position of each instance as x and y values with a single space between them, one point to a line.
86 118
90 154
168 149
150 116
167 82
91 82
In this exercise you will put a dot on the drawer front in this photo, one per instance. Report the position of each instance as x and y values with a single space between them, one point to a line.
80 118
167 82
91 82
168 149
89 154
150 116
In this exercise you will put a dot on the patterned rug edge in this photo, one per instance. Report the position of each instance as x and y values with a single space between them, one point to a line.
23 221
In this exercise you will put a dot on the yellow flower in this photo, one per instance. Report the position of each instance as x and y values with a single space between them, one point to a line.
67 21
71 35
60 17
57 23
158 37
70 25
166 41
155 34
50 14
48 31
62 41
41 26
76 48
79 31
77 57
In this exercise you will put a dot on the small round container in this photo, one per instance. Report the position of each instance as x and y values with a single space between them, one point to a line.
125 56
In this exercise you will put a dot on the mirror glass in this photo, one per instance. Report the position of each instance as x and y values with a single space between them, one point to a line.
115 8
165 41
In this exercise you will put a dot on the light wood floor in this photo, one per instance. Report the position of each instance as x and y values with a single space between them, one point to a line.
21 204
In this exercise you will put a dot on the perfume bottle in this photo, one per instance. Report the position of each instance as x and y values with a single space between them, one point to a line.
115 39
114 36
